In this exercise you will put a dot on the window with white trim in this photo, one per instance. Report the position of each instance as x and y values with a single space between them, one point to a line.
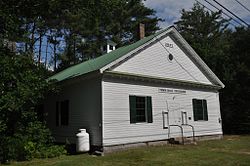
140 109
200 109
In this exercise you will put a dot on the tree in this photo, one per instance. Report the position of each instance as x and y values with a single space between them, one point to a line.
96 21
204 31
69 23
225 51
235 97
22 135
23 86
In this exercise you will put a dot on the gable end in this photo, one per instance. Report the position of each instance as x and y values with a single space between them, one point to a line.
182 44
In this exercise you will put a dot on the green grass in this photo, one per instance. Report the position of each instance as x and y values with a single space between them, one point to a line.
232 150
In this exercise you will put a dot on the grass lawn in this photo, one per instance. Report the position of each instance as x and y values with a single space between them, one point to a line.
232 150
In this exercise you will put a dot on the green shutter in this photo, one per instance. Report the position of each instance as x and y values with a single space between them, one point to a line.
132 106
204 105
195 109
149 109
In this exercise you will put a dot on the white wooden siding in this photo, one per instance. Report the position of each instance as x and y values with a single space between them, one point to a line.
84 111
153 61
116 114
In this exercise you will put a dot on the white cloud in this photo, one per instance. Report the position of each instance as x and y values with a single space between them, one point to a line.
170 10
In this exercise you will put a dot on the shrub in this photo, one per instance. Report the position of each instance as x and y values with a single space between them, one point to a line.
34 141
22 87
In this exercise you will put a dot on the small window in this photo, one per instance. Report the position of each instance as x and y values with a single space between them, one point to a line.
111 47
170 57
140 109
200 109
62 113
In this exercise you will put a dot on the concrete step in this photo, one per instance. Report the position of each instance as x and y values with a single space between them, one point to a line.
179 140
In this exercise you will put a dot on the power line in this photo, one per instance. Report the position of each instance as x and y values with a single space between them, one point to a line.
204 5
213 11
242 5
231 13
223 12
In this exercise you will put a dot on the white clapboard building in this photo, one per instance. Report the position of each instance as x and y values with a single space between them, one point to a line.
155 89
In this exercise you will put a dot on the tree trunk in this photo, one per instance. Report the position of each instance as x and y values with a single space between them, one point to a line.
40 48
26 43
46 54
32 43
55 57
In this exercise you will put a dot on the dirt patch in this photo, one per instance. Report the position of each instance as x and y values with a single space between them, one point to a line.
248 153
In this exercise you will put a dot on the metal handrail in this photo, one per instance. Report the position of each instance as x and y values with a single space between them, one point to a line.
182 137
192 130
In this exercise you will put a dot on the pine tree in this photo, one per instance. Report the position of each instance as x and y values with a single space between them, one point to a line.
204 31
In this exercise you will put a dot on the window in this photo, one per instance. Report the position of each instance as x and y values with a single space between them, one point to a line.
140 109
170 57
110 47
200 109
62 113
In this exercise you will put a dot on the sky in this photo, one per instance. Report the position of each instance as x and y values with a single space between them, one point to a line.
170 10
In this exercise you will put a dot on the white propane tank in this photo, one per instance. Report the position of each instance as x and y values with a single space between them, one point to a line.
82 141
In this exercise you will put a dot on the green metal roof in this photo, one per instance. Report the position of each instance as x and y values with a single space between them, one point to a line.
99 62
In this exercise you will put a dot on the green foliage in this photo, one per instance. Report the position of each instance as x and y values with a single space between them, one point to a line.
235 97
35 143
204 31
23 86
67 22
97 21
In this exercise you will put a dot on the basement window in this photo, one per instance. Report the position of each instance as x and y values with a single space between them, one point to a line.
140 109
200 110
62 113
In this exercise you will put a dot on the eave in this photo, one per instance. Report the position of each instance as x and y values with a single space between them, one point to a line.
161 80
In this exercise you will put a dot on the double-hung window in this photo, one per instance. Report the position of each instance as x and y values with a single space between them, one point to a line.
200 109
140 109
